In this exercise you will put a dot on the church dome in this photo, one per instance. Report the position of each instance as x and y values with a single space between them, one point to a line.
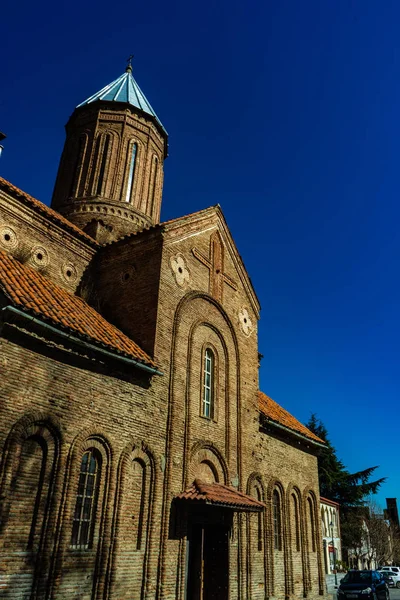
124 89
110 178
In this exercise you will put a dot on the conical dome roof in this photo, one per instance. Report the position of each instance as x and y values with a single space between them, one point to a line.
124 89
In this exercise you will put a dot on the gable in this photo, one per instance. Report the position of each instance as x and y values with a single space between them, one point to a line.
206 246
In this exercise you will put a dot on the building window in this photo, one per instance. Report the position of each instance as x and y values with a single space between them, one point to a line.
86 500
207 407
103 164
152 185
131 172
277 517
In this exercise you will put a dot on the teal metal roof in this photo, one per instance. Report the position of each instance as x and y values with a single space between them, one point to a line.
124 89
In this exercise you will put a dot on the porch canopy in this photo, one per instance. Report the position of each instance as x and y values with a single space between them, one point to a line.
216 494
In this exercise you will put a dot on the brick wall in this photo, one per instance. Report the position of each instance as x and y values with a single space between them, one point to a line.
149 435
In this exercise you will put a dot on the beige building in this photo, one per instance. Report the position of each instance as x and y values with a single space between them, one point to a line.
330 527
139 458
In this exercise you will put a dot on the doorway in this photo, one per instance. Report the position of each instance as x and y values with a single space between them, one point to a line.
208 568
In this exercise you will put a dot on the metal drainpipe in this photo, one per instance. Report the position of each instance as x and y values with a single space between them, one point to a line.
79 342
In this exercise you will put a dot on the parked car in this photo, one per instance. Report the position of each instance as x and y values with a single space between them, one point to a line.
363 585
388 578
394 572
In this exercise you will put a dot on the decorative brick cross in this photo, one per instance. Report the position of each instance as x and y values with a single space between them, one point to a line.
215 264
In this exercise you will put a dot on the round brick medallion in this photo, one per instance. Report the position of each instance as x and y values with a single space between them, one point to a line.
180 270
8 238
40 256
69 272
246 323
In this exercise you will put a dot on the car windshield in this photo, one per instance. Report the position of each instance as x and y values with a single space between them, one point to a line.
357 577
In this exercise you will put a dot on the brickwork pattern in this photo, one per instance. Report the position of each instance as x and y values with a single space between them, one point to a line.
148 431
94 179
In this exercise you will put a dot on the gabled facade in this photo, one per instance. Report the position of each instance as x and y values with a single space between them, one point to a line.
139 458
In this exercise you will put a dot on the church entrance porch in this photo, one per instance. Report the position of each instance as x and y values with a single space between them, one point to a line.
205 512
208 564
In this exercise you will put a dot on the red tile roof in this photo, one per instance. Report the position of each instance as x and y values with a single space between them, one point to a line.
220 495
29 290
271 409
327 501
45 210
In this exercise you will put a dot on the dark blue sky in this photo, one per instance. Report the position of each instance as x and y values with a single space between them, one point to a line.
285 113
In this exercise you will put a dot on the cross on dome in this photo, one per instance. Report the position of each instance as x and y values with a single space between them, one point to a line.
129 64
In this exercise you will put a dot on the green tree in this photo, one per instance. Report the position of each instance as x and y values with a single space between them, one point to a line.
351 490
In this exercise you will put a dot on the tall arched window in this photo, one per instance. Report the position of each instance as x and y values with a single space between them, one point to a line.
86 500
131 173
277 519
312 524
207 405
102 170
152 185
139 503
296 522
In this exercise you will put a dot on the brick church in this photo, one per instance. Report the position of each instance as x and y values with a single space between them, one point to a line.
139 458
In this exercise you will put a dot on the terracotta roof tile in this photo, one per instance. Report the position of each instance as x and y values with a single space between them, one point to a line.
29 290
45 210
271 409
220 495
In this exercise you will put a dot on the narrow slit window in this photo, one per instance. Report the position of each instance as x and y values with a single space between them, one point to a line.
131 172
103 165
153 183
277 518
207 409
86 500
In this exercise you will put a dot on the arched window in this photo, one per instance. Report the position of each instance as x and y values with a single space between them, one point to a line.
296 523
139 503
86 500
277 519
207 405
103 164
131 173
152 184
312 524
